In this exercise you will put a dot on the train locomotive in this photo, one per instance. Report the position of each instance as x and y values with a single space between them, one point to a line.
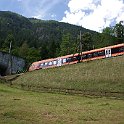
101 53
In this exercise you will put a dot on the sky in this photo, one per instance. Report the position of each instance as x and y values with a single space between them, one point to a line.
91 14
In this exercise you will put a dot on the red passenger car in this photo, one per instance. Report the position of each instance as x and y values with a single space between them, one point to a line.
105 52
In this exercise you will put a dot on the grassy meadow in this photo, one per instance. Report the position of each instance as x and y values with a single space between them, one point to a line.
26 107
99 77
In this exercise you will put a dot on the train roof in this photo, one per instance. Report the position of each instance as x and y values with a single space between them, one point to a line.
53 59
100 49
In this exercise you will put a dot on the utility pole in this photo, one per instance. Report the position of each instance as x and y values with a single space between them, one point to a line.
10 47
80 46
10 58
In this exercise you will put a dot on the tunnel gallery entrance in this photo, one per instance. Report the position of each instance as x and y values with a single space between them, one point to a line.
3 70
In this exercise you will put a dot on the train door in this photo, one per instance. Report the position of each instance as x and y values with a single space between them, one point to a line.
59 62
108 53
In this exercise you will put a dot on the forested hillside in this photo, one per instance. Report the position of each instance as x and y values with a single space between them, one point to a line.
35 39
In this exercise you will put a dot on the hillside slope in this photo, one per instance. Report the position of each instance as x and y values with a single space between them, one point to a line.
43 39
104 76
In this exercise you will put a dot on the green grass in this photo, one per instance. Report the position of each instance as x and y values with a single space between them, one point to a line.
99 77
27 107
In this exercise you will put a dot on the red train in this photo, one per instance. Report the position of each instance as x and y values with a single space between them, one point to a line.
105 52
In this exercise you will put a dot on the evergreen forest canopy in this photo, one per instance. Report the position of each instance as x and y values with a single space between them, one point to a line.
34 39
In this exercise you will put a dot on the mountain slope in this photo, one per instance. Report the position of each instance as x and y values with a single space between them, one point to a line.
15 23
43 39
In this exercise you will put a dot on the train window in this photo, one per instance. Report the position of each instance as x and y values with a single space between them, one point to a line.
54 62
84 56
95 54
114 50
41 65
89 55
121 49
78 57
45 63
64 60
101 53
74 59
50 63
69 59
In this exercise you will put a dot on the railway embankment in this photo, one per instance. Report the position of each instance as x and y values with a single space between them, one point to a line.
103 77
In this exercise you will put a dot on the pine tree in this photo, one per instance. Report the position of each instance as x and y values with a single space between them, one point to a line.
23 51
9 40
119 32
65 44
87 41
